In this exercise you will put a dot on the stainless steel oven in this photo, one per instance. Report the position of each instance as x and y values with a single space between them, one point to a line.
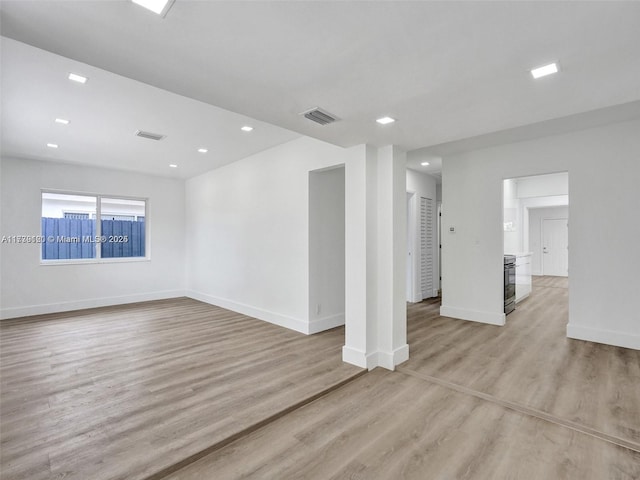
509 283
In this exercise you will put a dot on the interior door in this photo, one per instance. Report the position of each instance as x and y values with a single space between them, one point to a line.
426 247
555 247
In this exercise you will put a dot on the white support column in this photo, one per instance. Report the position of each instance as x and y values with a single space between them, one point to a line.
392 245
360 308
375 258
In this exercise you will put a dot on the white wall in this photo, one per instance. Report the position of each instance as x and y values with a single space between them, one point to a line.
512 217
543 185
247 229
421 185
326 248
30 288
536 215
603 233
528 204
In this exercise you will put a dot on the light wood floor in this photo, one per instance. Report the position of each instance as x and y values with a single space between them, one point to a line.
127 392
531 362
452 411
390 425
473 402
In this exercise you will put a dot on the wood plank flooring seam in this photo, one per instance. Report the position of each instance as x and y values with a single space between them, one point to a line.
250 429
621 442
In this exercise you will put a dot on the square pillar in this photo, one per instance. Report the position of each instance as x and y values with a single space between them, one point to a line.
375 243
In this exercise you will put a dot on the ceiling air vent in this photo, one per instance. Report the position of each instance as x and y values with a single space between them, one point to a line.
149 135
319 116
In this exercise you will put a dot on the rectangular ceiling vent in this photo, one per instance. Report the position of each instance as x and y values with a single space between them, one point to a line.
319 116
149 135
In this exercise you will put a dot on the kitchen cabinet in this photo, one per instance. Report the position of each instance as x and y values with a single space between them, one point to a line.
523 275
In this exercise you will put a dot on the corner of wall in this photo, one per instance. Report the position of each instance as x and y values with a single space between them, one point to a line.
607 337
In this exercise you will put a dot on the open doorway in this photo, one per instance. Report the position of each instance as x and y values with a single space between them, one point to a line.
326 248
536 232
424 196
422 248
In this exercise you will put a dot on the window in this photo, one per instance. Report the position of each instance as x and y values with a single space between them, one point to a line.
80 226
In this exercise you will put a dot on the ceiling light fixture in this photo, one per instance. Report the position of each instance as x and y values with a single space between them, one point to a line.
202 150
159 7
173 165
385 120
52 145
246 128
62 121
425 164
544 70
77 78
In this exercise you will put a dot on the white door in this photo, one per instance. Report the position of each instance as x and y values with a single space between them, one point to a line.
426 247
555 247
410 240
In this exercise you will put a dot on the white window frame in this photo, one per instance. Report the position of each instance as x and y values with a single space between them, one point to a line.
98 258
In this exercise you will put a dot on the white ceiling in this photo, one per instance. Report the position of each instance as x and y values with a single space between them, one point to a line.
446 70
106 112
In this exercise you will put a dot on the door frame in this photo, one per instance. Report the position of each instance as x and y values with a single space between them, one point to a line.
542 257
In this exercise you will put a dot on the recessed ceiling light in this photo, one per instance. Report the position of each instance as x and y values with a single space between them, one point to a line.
77 78
424 164
161 7
62 121
385 120
173 165
544 70
202 150
246 128
52 145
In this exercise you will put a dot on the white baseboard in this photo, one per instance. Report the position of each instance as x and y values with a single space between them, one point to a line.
359 358
608 337
473 315
301 326
325 323
389 360
16 312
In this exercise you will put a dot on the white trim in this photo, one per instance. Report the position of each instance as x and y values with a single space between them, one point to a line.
608 337
15 312
389 360
291 323
93 261
473 315
325 323
359 358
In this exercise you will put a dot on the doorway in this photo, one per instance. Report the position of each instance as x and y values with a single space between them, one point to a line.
410 242
326 308
422 255
555 247
427 243
536 232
